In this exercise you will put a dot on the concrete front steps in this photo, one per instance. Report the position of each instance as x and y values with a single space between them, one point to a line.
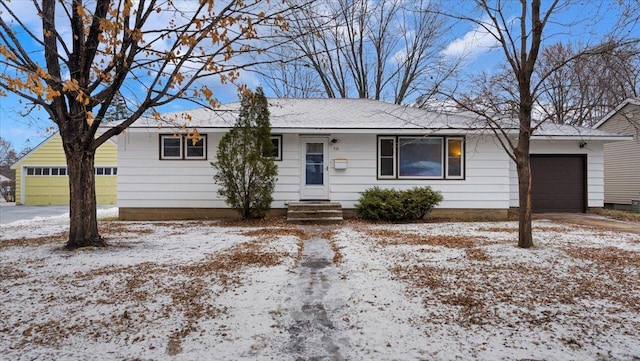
311 212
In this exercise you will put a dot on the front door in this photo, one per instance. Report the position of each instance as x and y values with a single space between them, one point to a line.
314 169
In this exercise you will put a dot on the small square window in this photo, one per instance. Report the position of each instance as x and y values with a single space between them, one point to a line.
30 171
115 171
195 150
99 171
46 171
55 171
63 171
170 147
107 171
38 171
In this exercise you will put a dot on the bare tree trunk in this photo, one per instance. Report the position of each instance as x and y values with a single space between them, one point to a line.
525 234
522 153
83 223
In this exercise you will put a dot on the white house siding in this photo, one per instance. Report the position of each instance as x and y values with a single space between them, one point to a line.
485 185
288 184
595 167
145 181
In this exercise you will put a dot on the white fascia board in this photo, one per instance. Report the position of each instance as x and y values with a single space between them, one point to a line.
318 130
609 138
368 131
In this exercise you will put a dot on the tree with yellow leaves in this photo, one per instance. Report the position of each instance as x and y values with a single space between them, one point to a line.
86 52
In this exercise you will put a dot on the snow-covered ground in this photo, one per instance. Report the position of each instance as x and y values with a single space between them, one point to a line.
209 291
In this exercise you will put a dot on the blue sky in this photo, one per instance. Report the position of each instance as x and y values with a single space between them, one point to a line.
25 128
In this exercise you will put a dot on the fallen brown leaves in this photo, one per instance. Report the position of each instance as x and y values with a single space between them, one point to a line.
270 233
498 229
11 271
617 268
477 254
59 238
337 254
550 228
392 237
139 294
273 221
479 290
621 215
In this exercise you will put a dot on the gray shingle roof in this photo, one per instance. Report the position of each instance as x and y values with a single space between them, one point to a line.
354 115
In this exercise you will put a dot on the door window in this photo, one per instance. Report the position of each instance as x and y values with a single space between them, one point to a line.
314 164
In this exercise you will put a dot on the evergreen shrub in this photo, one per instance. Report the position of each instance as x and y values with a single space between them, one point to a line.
393 205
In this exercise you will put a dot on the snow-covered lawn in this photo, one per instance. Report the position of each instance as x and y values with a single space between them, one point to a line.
209 291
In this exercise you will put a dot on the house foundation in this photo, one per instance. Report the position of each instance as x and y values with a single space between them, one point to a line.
165 214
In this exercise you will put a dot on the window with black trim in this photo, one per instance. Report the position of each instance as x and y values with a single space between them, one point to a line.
386 157
455 164
180 147
170 147
276 152
195 149
420 157
276 140
106 170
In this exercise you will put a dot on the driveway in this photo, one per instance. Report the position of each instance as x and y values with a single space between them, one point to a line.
10 212
592 220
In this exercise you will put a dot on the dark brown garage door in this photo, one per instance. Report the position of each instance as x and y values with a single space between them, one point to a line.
558 183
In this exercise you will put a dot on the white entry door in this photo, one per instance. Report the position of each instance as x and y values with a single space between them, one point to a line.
314 168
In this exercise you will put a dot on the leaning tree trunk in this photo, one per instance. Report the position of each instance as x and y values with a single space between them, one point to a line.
83 223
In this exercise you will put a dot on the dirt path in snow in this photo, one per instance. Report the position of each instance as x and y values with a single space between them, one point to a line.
312 331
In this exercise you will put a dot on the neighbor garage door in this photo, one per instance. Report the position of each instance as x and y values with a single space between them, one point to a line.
46 190
558 183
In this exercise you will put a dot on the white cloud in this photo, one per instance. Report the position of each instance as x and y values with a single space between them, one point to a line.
399 57
471 44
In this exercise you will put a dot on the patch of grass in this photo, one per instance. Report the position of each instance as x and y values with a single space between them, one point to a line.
621 215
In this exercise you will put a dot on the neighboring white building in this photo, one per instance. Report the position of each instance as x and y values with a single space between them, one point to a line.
622 159
8 189
334 149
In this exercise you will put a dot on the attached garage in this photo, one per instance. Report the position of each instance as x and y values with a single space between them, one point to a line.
558 183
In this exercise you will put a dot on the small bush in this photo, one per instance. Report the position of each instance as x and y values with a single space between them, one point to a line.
379 204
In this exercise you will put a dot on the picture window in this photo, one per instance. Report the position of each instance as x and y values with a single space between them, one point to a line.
420 157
